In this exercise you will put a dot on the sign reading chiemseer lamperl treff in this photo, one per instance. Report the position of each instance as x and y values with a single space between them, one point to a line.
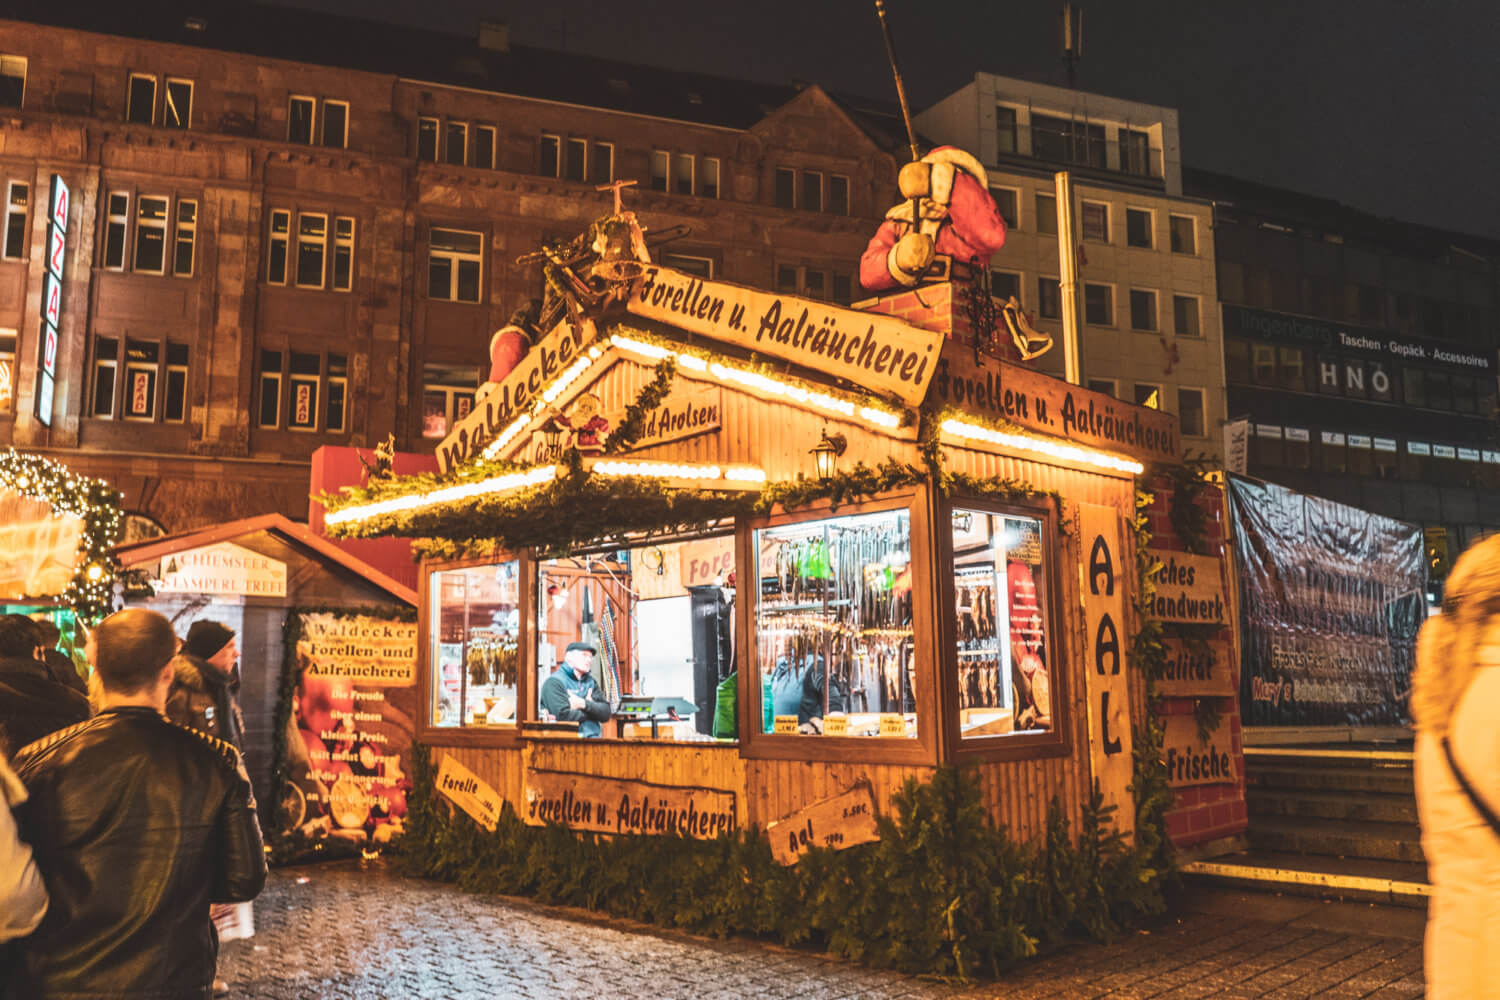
52 288
865 349
223 569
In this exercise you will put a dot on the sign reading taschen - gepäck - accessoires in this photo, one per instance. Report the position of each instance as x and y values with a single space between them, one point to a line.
866 349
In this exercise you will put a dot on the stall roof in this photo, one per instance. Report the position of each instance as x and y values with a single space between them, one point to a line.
153 549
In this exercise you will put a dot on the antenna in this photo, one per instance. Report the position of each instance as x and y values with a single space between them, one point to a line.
1072 41
890 51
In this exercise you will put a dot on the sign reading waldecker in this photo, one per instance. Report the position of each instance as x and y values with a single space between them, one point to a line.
1281 328
998 390
879 353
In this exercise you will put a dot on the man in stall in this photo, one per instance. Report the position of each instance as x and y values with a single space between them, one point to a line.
571 695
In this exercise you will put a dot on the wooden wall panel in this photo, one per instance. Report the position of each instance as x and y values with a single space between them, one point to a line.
499 768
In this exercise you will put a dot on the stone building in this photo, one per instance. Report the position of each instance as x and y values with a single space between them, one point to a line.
290 229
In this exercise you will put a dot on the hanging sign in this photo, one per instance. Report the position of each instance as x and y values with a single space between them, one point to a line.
686 412
469 792
1111 756
838 822
1191 760
875 352
996 390
710 561
616 805
225 569
517 395
1189 588
1197 669
52 289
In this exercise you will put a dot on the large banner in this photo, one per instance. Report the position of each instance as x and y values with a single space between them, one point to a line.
1331 601
349 744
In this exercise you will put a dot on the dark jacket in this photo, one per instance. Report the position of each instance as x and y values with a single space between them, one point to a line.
202 698
32 704
554 697
61 668
137 824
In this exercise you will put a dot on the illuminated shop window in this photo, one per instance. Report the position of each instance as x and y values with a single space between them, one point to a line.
1003 624
474 661
7 371
833 627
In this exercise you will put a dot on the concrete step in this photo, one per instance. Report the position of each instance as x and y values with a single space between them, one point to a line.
1337 838
1385 780
1355 807
1402 883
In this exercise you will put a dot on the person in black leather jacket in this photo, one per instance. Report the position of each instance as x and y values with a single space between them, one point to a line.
32 704
137 825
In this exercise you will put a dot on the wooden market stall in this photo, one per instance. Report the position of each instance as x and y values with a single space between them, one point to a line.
884 545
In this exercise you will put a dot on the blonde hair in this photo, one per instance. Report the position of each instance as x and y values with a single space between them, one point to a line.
1448 646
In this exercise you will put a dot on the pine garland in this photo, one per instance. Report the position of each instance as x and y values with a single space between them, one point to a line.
625 434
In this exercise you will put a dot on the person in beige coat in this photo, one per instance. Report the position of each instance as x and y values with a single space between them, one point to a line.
1455 696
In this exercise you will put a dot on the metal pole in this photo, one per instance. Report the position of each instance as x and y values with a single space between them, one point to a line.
890 51
1067 260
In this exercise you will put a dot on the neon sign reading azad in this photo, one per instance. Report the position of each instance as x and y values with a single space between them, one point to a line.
52 289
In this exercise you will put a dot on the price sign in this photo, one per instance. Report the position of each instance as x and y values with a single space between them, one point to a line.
785 724
838 822
836 725
892 724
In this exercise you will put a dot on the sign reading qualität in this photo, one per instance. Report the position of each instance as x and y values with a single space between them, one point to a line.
877 352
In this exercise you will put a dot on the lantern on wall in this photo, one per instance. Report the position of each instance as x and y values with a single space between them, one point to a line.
826 454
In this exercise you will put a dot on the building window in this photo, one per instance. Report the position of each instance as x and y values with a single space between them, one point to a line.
174 401
1099 305
1064 141
17 201
312 248
12 81
810 693
308 385
1135 152
454 264
812 190
336 124
661 166
602 163
701 267
814 283
106 362
276 247
1185 318
301 115
1147 395
343 253
456 144
268 410
1138 228
338 391
1046 214
575 167
838 194
142 366
186 238
786 187
140 99
1184 234
447 397
151 235
302 391
484 147
999 580
1094 221
1049 298
7 371
427 143
1104 385
1142 309
684 174
1190 411
1005 285
177 110
114 230
1007 200
1005 129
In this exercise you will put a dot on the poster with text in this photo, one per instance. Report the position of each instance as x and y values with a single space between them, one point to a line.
350 730
1331 601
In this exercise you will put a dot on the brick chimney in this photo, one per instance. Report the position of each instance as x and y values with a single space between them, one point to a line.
943 307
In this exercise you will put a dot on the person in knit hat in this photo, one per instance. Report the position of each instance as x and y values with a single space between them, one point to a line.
205 683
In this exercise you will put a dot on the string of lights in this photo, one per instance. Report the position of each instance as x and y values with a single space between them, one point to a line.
1039 446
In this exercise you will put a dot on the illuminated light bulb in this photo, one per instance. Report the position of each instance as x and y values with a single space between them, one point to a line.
1065 452
447 494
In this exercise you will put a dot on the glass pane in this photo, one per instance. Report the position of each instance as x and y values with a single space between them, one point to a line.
602 169
709 187
1000 599
457 143
270 399
549 156
299 120
338 365
484 147
1005 201
786 188
833 627
270 361
577 159
304 403
182 259
175 405
439 277
335 124
305 364
1190 411
427 139
140 103
1142 310
309 264
660 163
343 264
475 646
178 105
468 281
1137 227
1098 305
1046 214
143 351
276 261
104 390
457 241
177 354
336 392
434 413
812 190
140 392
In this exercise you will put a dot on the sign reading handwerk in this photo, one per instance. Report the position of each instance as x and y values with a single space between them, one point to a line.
867 349
1189 589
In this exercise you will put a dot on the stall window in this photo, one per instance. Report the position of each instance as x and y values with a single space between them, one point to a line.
474 661
833 627
1000 598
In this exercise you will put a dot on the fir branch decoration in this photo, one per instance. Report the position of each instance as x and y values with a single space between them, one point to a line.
633 424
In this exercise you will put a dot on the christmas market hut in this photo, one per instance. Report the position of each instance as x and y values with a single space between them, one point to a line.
801 552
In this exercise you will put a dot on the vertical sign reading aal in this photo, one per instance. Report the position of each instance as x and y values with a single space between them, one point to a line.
1110 750
52 289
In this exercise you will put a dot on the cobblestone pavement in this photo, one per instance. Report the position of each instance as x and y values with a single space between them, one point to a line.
338 932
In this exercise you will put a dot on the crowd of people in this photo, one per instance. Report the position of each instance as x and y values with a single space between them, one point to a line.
126 813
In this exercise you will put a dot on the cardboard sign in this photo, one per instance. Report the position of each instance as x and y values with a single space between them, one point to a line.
614 805
998 390
516 395
839 822
1110 747
1197 669
468 791
1190 761
224 568
1189 589
876 352
688 410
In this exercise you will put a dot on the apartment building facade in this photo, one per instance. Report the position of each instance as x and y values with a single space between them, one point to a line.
1149 328
275 243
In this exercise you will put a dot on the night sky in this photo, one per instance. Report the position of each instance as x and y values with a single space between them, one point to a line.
1386 105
